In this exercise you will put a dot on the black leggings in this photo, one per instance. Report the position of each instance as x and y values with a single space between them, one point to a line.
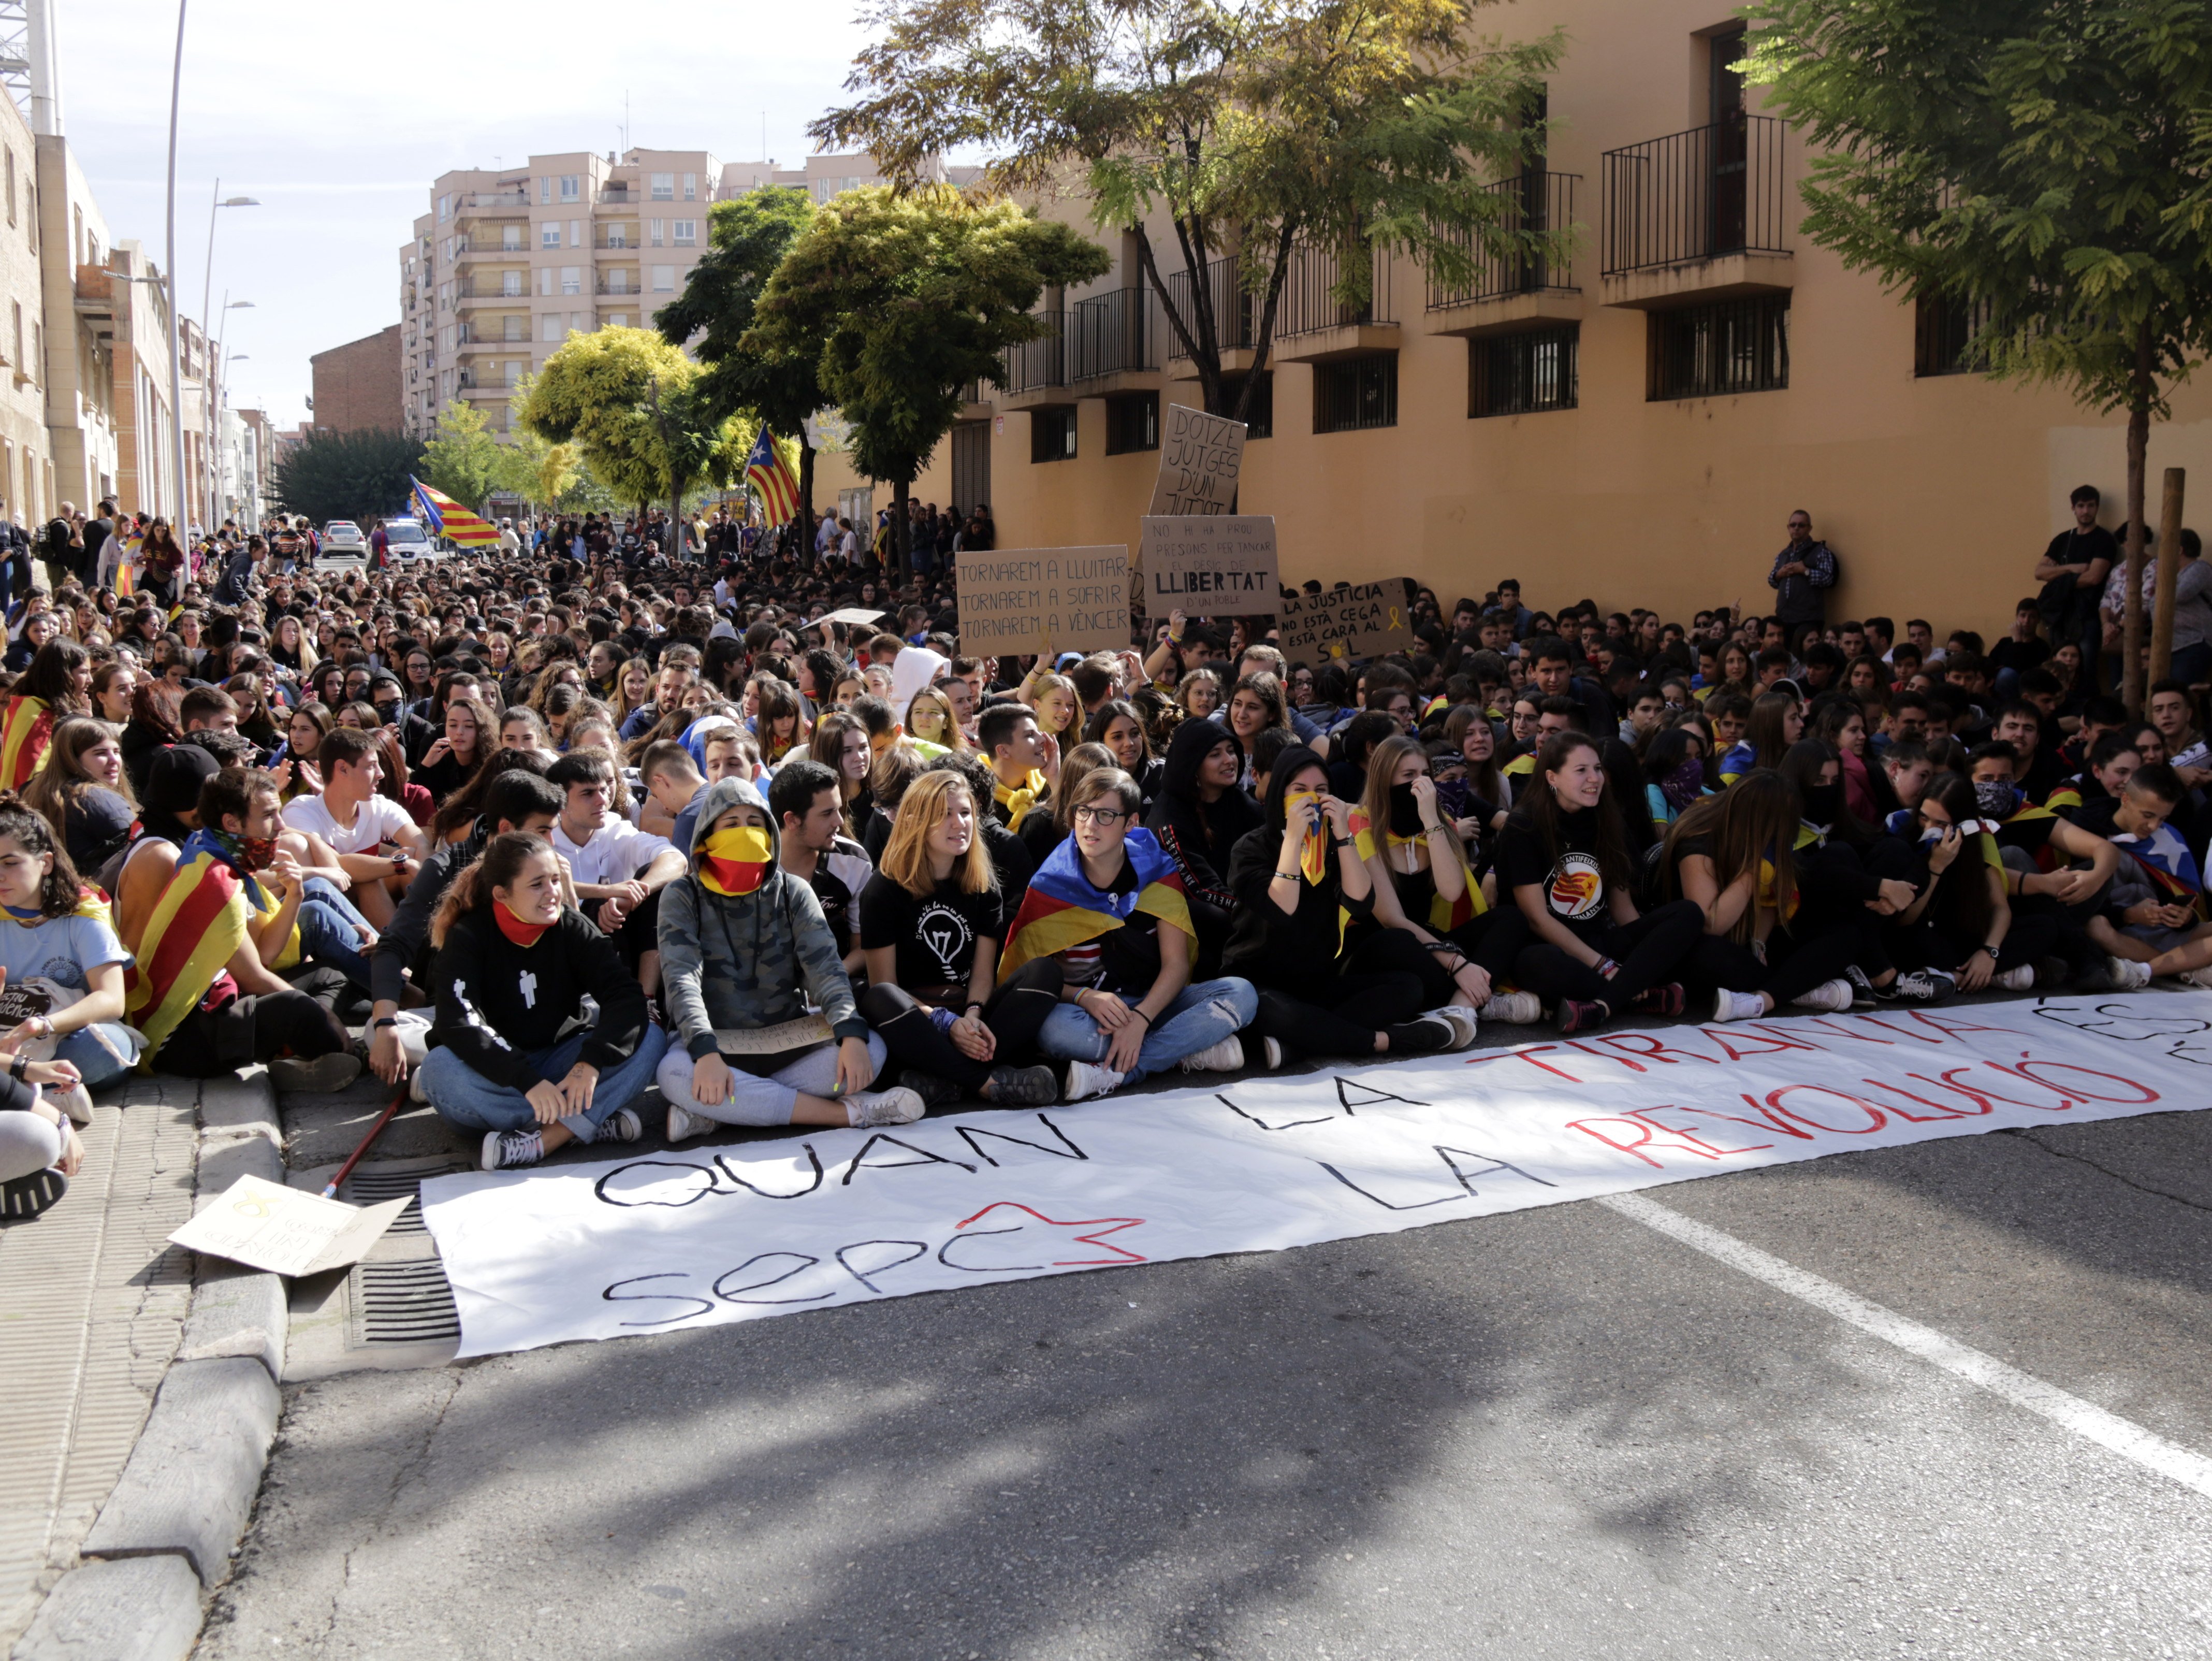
1492 942
2029 941
1384 985
1648 951
256 1028
1793 966
1014 1013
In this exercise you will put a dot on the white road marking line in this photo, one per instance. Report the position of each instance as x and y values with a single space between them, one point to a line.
2069 1412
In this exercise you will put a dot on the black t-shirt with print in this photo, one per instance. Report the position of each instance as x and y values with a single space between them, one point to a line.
1572 883
934 934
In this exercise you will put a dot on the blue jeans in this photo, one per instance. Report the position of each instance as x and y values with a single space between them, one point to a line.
328 931
101 1053
1198 1018
465 1097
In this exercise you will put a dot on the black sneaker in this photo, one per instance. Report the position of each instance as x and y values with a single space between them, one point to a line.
1920 986
1862 992
1017 1086
936 1092
1572 1016
1667 999
22 1198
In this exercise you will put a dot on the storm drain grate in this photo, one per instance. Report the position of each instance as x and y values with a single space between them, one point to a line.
366 1188
406 1303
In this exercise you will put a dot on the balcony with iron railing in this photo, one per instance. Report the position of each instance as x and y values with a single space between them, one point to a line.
1512 288
469 290
1034 371
1235 311
1696 215
1114 341
478 247
1315 325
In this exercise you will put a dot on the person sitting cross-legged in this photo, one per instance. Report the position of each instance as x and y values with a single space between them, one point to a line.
744 950
931 920
515 966
1108 905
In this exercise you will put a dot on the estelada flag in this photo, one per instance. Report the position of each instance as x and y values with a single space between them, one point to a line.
768 470
26 734
448 519
198 925
1061 907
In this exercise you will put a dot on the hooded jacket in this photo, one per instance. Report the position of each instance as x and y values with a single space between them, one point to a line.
747 960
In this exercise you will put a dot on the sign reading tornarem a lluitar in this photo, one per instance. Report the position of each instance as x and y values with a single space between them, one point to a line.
1043 599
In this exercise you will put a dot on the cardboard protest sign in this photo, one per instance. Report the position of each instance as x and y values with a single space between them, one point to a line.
1043 599
1221 565
288 1231
1201 456
852 614
1363 621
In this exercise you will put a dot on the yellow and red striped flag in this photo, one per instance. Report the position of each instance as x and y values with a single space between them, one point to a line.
448 519
768 470
199 924
27 732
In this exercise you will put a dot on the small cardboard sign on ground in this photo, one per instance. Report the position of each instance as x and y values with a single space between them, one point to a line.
1043 599
1201 456
1363 621
288 1231
1215 565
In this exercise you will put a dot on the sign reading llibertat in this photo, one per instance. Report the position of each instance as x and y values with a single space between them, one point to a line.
1201 456
1216 565
1043 599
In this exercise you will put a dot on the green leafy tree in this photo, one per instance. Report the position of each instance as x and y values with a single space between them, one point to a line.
353 476
2045 162
535 468
629 402
747 239
1346 127
905 298
466 460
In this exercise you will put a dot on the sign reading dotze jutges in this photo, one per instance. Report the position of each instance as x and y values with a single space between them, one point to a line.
1221 564
1201 456
1363 621
1039 599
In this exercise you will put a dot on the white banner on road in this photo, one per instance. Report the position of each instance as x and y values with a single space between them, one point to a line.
696 1236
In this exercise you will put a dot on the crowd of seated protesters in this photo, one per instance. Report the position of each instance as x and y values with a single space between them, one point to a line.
558 829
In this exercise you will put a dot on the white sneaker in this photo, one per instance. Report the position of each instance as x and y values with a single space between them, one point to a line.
416 1092
683 1124
72 1099
2021 979
1088 1079
1227 1056
1459 1017
1271 1050
2195 977
872 1110
1832 996
1738 1005
1514 1008
622 1125
505 1149
2128 975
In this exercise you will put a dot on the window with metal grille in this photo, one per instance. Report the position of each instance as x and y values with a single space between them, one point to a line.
1947 335
1712 351
1355 393
1132 422
1052 433
1522 373
1260 419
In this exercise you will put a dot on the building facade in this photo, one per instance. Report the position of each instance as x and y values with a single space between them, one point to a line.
358 385
1633 424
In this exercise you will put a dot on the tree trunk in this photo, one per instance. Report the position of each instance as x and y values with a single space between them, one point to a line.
901 532
2131 642
2169 571
805 479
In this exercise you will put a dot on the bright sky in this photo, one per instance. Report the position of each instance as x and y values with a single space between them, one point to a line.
335 118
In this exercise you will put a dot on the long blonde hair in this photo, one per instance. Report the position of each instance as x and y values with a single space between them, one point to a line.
906 857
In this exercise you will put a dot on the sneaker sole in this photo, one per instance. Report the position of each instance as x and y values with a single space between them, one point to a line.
1030 1089
320 1076
22 1198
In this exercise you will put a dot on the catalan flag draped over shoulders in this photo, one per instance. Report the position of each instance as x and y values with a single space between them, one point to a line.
1062 909
26 733
448 519
768 470
1444 914
2165 858
198 925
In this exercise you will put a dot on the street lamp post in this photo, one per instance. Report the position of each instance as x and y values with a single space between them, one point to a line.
217 200
216 372
176 329
223 381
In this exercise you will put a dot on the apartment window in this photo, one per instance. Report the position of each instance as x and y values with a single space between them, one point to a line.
690 187
11 185
38 353
617 236
448 337
580 322
445 296
545 188
515 328
1260 419
571 187
1947 335
1522 373
1132 422
1052 434
445 209
656 232
1713 352
572 279
549 236
663 279
1355 393
510 238
575 233
663 187
20 370
687 233
617 319
510 284
514 371
546 279
550 327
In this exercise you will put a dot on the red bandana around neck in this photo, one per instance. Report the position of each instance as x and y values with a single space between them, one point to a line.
522 933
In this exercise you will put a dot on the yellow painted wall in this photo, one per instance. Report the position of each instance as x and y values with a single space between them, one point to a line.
1938 494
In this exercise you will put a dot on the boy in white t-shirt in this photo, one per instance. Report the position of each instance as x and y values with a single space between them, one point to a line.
378 843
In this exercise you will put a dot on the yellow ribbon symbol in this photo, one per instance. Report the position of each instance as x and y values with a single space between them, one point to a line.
1394 618
250 1207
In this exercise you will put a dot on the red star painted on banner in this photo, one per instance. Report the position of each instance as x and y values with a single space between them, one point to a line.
1097 1225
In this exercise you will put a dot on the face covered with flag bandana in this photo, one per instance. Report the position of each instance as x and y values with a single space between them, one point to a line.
735 856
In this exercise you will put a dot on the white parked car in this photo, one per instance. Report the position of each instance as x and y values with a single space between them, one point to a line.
409 541
342 534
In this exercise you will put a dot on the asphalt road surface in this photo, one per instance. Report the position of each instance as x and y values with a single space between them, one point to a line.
1557 1432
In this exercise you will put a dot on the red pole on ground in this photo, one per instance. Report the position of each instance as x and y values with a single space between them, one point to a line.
331 1191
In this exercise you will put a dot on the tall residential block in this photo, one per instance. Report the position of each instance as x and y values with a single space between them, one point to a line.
358 387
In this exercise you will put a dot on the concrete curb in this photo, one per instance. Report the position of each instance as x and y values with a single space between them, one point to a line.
145 1609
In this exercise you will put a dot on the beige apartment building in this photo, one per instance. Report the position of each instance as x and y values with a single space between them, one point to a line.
1633 424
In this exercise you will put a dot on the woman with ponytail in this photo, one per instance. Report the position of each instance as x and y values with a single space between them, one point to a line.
516 960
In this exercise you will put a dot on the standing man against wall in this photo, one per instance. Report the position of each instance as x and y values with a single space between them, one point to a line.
1803 573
